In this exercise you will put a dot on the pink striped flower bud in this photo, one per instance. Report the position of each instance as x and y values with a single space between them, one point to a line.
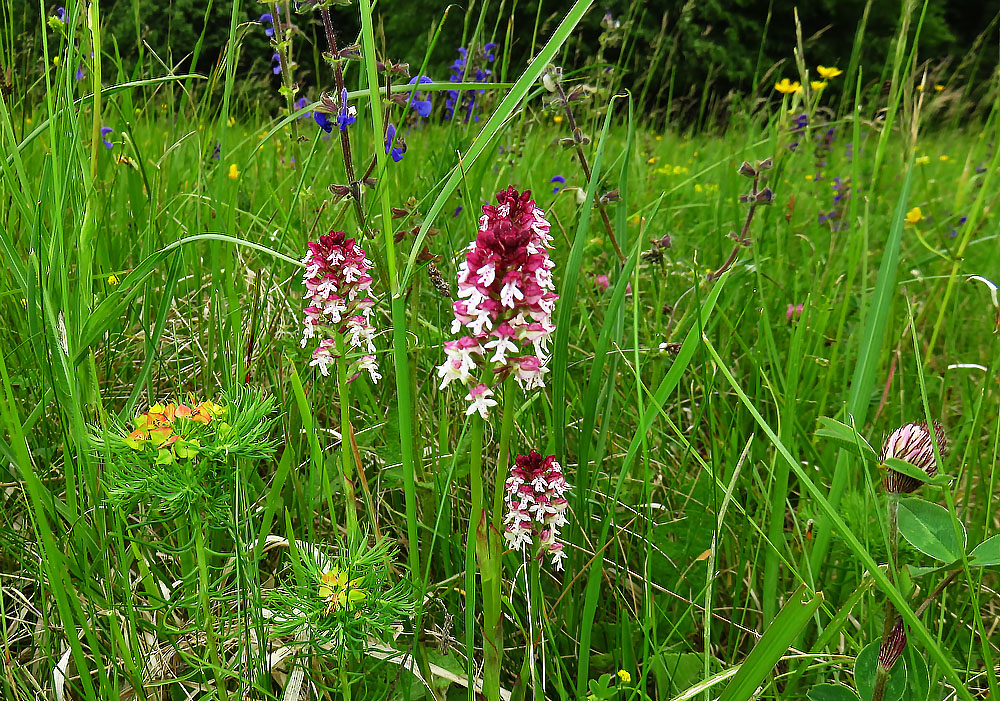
912 443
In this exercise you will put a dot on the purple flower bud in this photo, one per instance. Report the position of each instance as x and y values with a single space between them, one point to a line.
893 646
912 443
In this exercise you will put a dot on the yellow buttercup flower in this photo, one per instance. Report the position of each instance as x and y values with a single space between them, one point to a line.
557 119
817 85
113 280
828 72
914 216
943 157
234 172
624 676
651 161
787 87
922 160
938 88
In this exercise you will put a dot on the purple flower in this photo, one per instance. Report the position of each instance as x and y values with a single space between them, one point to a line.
217 153
61 14
80 73
267 17
104 132
458 210
422 107
324 122
559 181
395 151
346 115
301 103
488 50
276 61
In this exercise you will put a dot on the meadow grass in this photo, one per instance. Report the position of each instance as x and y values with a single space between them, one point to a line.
715 371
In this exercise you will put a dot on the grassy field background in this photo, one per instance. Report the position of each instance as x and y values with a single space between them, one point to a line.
708 398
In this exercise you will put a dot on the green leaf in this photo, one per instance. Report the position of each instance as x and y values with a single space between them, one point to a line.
846 437
781 633
832 692
929 528
864 675
915 472
986 554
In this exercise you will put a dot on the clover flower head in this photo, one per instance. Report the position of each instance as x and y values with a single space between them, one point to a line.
912 443
506 298
536 505
338 303
421 106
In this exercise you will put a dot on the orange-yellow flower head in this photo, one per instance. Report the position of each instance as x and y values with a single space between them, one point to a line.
827 72
787 87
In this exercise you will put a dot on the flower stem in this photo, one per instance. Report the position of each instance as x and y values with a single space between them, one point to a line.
492 563
476 509
882 673
346 454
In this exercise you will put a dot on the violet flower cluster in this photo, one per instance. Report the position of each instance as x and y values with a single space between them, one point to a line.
536 507
337 288
506 300
462 70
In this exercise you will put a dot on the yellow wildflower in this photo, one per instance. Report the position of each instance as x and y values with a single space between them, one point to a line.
828 72
943 157
920 88
113 280
659 138
234 172
914 216
56 60
787 87
651 161
338 592
922 160
624 676
809 176
231 121
557 119
698 188
938 87
817 85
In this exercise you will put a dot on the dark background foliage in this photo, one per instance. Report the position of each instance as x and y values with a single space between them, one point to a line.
665 50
